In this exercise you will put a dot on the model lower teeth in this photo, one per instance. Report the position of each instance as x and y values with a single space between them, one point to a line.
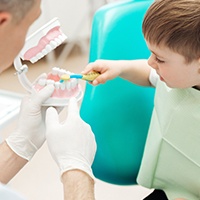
65 89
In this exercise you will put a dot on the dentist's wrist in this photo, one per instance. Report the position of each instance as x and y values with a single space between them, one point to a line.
78 185
75 164
11 163
21 146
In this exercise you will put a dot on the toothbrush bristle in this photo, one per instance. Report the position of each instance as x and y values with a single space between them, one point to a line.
64 77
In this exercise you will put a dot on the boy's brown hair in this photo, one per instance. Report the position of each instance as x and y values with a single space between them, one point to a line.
175 24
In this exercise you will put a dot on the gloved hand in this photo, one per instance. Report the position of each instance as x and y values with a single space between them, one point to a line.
72 143
30 133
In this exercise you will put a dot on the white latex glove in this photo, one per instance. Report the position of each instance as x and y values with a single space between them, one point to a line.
30 133
72 143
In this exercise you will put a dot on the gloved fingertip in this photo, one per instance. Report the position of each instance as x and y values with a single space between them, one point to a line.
50 87
51 116
50 110
72 100
73 106
41 96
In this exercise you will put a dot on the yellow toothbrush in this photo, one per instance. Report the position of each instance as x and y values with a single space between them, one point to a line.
87 77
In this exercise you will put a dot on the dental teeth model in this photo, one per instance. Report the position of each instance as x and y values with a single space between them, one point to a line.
39 44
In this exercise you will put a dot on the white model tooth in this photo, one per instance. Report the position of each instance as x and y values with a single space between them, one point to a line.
34 59
49 82
58 71
57 85
58 41
66 72
74 83
62 37
44 52
39 55
48 48
62 71
42 82
53 44
62 86
68 85
55 70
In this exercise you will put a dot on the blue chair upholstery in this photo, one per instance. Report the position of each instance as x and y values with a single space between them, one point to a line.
118 111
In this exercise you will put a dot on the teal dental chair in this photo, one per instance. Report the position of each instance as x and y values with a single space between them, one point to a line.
118 111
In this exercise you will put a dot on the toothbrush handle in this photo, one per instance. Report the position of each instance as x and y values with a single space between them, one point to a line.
78 76
91 76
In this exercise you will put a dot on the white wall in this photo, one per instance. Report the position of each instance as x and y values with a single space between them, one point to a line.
74 15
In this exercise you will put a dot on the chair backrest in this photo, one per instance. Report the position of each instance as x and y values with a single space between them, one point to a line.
119 112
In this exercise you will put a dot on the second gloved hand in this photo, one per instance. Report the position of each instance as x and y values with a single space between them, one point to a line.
72 143
30 133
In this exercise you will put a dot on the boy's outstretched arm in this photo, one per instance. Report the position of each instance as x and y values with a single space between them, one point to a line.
136 71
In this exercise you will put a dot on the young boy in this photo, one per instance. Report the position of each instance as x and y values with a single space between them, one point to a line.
171 160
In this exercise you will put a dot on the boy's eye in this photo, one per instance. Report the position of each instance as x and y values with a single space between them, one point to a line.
159 61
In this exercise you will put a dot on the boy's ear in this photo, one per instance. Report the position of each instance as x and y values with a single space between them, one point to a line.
5 17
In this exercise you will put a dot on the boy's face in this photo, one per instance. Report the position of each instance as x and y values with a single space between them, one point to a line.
172 68
12 36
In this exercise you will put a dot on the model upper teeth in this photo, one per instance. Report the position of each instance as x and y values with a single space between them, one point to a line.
48 48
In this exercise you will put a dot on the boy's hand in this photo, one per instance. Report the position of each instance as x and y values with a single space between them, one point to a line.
108 70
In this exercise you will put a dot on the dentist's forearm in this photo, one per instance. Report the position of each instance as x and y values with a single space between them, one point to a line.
77 185
10 163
